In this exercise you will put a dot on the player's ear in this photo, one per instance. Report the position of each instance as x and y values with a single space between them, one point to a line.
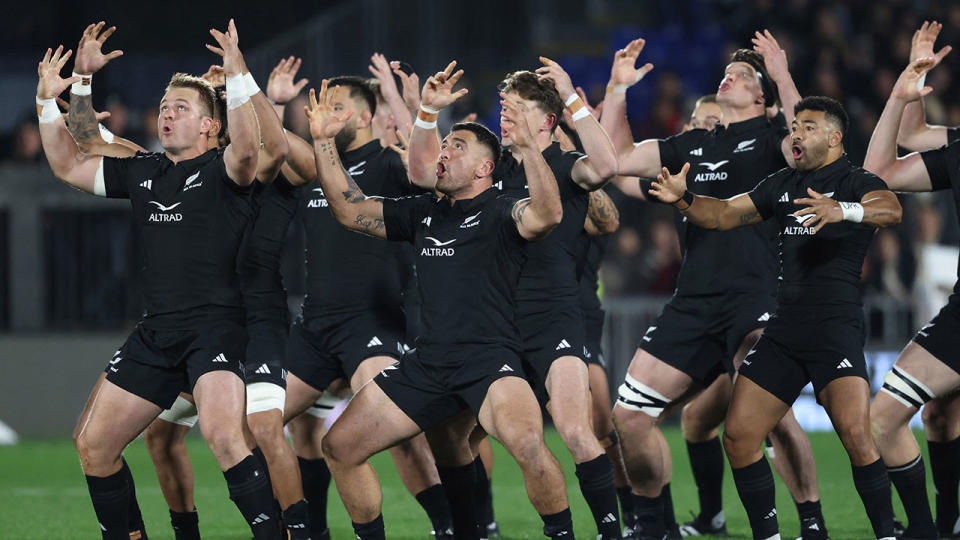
486 168
364 119
207 123
835 138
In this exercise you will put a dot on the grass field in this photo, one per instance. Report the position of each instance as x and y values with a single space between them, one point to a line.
43 495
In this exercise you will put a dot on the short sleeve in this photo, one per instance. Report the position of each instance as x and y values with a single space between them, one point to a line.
867 182
402 216
943 165
670 153
764 195
117 175
564 174
953 134
504 208
773 138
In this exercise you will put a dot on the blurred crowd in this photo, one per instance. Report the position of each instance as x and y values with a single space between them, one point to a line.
852 51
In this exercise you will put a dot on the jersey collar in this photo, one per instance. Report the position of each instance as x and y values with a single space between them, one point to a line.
358 154
736 128
469 205
196 162
841 165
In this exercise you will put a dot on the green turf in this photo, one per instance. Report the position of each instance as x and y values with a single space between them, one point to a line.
43 495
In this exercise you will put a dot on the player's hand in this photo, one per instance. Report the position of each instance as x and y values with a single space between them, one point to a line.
774 57
90 57
380 68
923 40
670 187
554 72
624 70
51 84
325 123
280 86
410 83
214 76
824 209
907 87
438 90
516 125
229 49
65 107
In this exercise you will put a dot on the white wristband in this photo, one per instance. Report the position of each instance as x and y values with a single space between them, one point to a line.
428 110
573 97
236 92
852 211
582 113
251 84
622 88
84 87
921 81
105 134
47 110
425 125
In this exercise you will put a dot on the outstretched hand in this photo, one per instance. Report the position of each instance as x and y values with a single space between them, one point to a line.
517 127
554 72
624 70
410 83
324 122
923 39
438 90
774 58
824 210
51 84
908 86
669 188
229 49
280 86
90 58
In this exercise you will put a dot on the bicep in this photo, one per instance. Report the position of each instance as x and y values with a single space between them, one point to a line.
301 161
86 174
643 160
927 138
585 175
525 221
241 169
908 173
368 217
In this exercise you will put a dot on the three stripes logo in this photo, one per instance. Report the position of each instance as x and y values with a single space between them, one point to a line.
146 184
785 197
262 518
505 368
562 345
220 358
374 342
844 364
263 370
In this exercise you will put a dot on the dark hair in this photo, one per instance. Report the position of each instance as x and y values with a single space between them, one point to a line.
484 137
529 86
833 109
709 98
755 59
220 113
359 88
204 89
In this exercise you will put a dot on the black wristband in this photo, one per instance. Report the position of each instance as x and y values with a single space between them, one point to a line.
687 198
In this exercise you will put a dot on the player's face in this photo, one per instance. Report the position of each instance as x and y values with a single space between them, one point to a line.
182 120
705 116
343 104
811 137
462 159
740 86
536 118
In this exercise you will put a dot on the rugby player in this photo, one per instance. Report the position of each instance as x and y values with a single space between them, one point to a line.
816 334
716 313
469 250
193 327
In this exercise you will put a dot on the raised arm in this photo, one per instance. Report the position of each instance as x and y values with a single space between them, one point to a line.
602 215
915 134
380 69
600 163
410 86
351 208
280 86
243 151
301 165
65 159
775 60
907 173
424 141
702 211
879 208
538 214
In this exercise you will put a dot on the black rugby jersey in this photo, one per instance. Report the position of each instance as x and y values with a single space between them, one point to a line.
275 205
549 276
724 162
468 257
590 250
347 271
943 167
821 269
953 134
190 219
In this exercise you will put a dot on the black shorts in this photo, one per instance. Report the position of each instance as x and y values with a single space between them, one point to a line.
941 336
266 350
545 338
159 364
323 349
811 346
430 394
699 335
593 328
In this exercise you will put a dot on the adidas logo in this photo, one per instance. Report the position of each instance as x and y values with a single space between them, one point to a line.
696 152
586 353
147 184
426 221
772 514
921 331
505 368
263 370
262 518
220 358
609 518
764 318
785 197
844 364
562 345
374 342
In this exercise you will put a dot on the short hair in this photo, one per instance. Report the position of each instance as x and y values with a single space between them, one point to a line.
484 137
709 98
208 97
832 108
755 59
531 87
359 88
220 113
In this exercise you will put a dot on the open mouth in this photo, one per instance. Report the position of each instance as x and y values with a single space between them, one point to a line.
440 169
166 130
797 151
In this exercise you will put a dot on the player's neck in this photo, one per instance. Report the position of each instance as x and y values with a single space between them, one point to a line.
732 115
363 137
833 155
470 191
177 155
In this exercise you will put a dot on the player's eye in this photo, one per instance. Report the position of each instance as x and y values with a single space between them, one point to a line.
459 146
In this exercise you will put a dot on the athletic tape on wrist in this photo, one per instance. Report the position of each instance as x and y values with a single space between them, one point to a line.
581 113
428 110
251 84
236 92
921 81
425 125
84 87
573 97
47 110
852 211
105 134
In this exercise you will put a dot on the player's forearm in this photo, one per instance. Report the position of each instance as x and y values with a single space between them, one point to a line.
244 133
789 96
301 163
398 108
422 157
83 122
881 210
613 119
711 213
275 146
915 134
545 207
602 213
882 151
598 147
341 191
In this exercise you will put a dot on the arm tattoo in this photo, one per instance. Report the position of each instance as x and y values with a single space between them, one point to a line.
82 120
601 209
518 209
749 217
368 224
353 194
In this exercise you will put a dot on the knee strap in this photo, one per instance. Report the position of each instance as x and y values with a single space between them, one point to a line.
905 388
636 396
